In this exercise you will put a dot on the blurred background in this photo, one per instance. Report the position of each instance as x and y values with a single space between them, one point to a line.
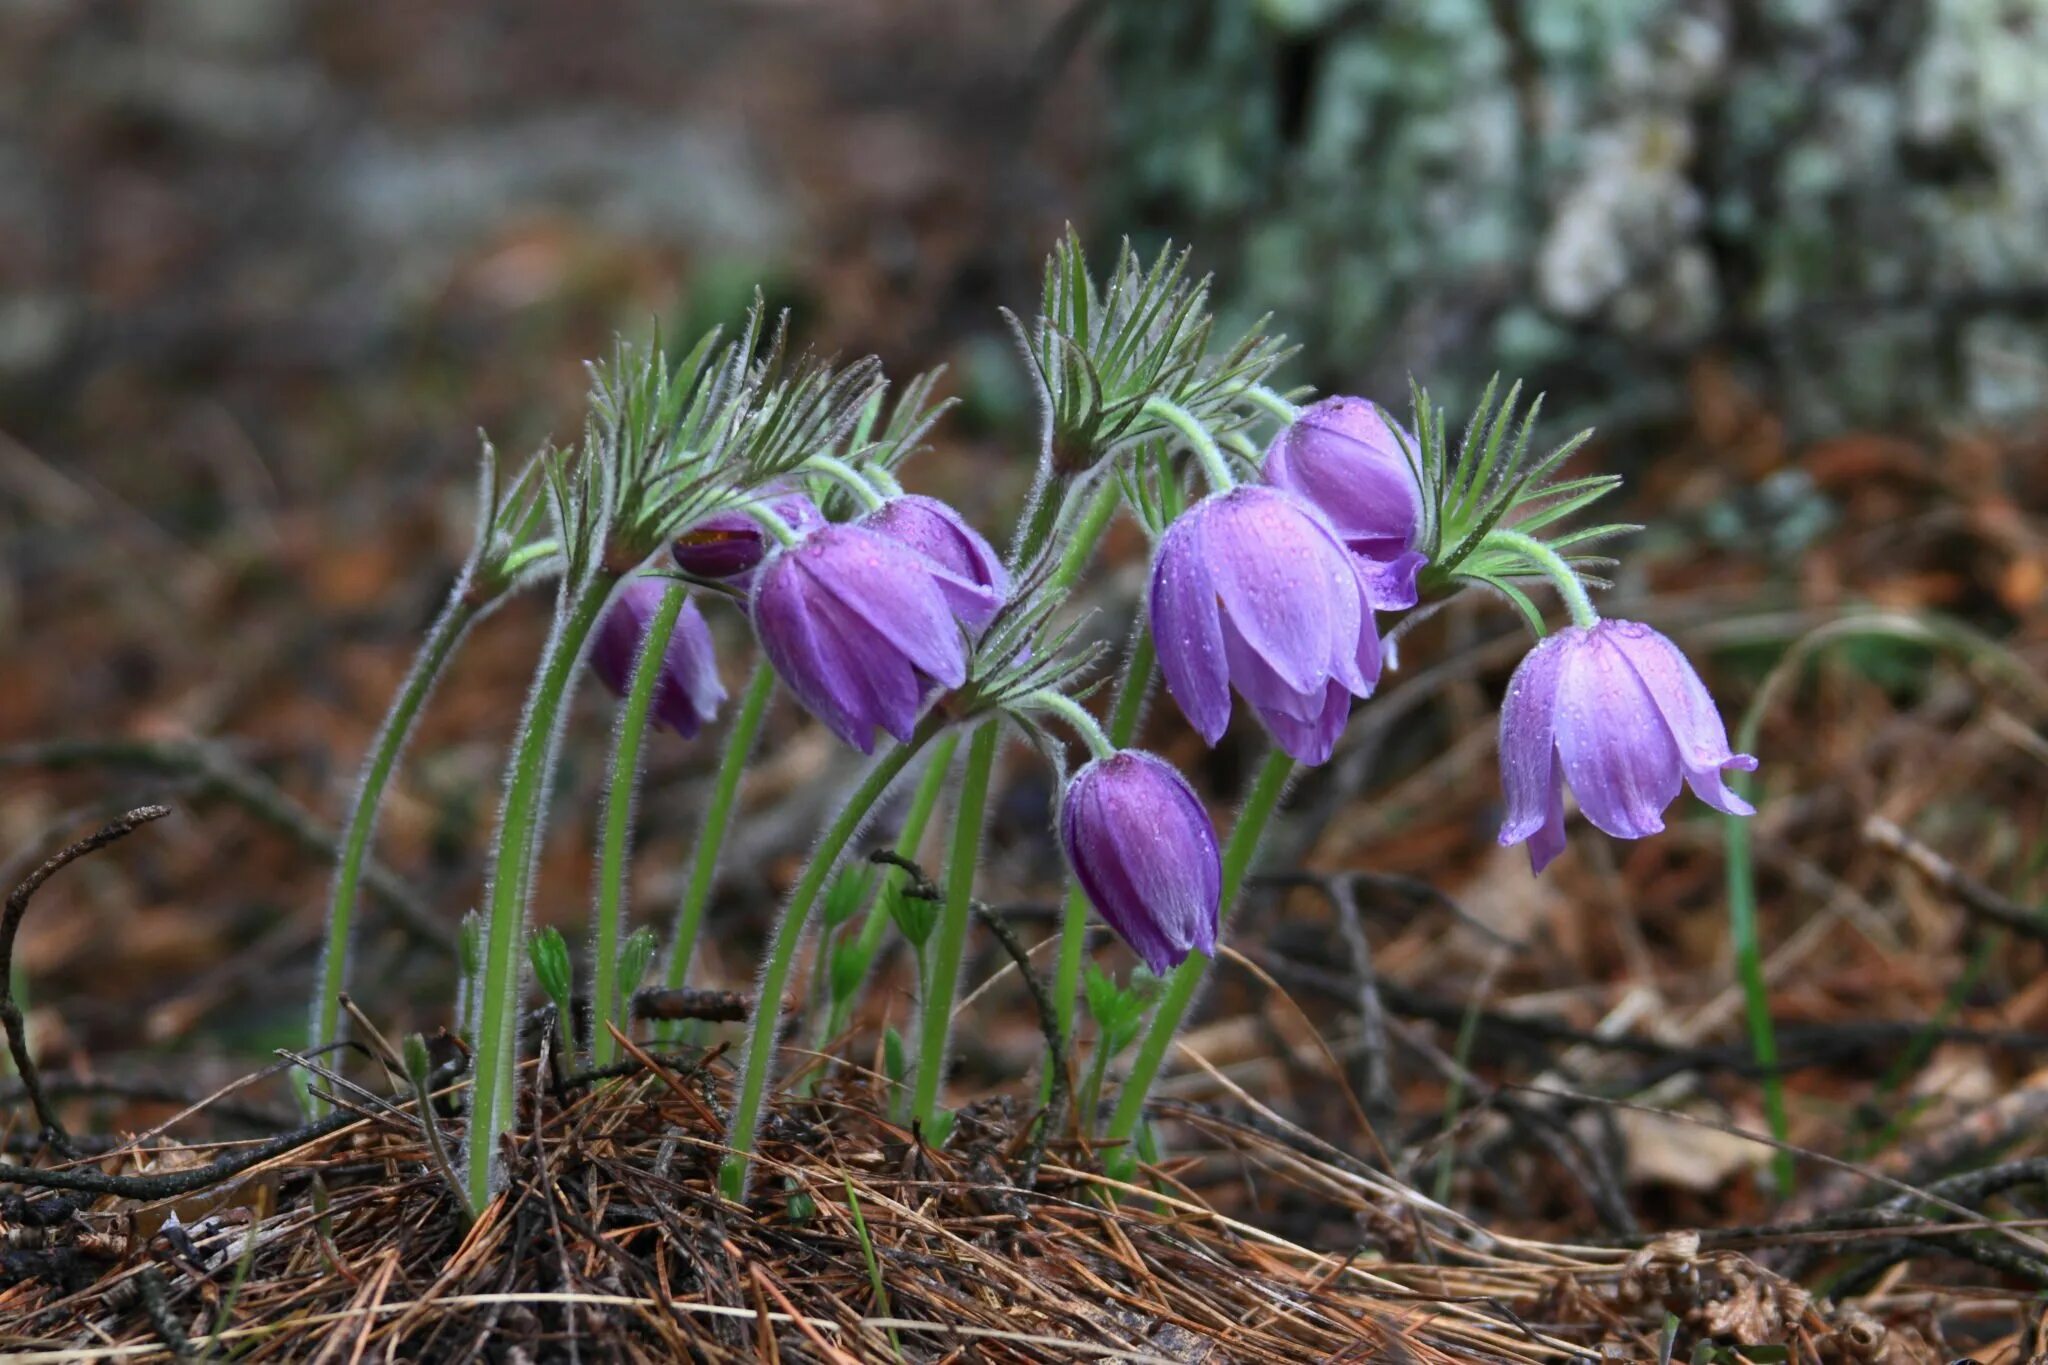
268 266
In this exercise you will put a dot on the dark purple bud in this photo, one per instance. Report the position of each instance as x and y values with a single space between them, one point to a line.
1618 712
1342 457
1143 849
687 694
1251 587
858 627
729 544
969 572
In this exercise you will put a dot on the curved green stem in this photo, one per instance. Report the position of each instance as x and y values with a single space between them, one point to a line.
732 766
771 521
618 823
1187 978
915 821
1077 717
1569 585
530 771
759 1054
1214 466
1273 403
937 1026
847 477
449 627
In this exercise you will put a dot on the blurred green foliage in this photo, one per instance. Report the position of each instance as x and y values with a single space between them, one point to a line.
1844 195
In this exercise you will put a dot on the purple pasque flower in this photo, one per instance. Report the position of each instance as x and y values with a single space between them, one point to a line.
687 694
1251 587
969 572
730 544
1143 849
1342 456
859 627
1615 710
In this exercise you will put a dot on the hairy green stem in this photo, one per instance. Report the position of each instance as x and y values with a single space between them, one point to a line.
725 788
462 610
528 776
618 823
1187 978
936 1030
1214 467
1569 585
758 1055
915 821
847 477
1077 719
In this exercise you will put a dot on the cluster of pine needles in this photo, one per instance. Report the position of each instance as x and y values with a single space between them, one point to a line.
345 1242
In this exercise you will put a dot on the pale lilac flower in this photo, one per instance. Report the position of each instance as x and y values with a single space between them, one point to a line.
969 572
1143 849
1251 587
1615 710
687 694
859 627
730 544
1342 456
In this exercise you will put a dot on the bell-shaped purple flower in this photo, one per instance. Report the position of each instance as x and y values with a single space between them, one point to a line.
968 570
1618 712
687 694
1342 457
1143 849
1252 587
858 626
731 544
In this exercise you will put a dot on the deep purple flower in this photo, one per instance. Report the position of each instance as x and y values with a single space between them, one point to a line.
1143 849
969 572
858 626
1617 711
1252 587
1342 456
730 544
688 692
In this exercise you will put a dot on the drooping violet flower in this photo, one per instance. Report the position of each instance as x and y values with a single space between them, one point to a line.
1252 587
1143 849
687 694
1618 712
969 572
1342 457
731 544
858 626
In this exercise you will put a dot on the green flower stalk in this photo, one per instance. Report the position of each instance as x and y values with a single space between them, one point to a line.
504 557
936 1028
725 789
618 821
758 1055
859 952
1187 979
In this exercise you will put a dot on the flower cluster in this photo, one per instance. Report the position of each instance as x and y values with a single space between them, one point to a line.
772 482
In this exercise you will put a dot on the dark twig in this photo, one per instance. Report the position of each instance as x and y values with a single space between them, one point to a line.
175 1183
214 771
1944 876
693 1002
10 925
1375 1083
156 1304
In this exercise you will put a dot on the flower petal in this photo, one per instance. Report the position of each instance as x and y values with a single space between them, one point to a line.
1389 582
1617 749
1311 741
1529 775
1187 633
690 689
1284 580
890 587
1548 841
804 658
1144 851
1687 707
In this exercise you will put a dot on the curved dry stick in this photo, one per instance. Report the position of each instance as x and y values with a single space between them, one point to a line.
10 925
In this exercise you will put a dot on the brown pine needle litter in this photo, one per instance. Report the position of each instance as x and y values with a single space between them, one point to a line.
610 1243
